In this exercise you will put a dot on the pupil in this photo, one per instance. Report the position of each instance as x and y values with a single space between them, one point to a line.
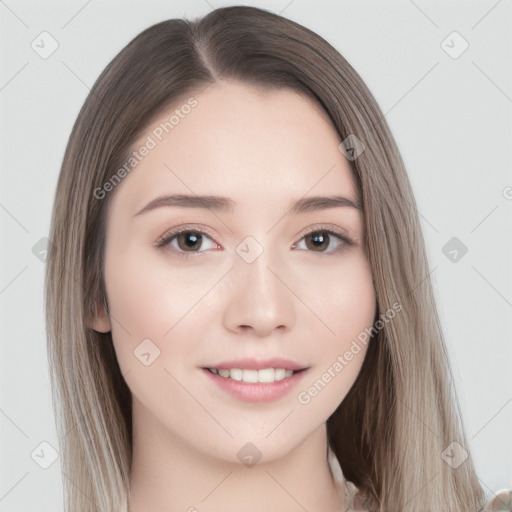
194 238
318 239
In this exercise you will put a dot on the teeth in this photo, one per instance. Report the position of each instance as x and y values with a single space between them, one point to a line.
280 374
251 376
236 374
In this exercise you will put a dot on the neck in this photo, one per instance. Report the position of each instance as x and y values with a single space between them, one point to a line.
169 474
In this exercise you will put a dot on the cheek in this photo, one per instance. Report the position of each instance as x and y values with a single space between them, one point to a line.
352 304
348 306
150 298
342 296
152 313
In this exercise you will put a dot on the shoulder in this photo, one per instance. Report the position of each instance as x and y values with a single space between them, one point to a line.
502 501
357 502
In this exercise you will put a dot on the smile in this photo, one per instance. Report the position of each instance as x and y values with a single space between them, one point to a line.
245 384
244 375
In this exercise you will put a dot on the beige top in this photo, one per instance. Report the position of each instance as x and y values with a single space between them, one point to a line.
355 500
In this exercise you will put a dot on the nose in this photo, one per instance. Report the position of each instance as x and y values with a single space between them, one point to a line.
260 299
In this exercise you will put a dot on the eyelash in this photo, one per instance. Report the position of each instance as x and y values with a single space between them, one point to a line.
166 238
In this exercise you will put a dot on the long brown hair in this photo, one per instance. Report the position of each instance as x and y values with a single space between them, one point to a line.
391 431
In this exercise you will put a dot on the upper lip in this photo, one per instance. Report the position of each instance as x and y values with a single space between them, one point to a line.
258 364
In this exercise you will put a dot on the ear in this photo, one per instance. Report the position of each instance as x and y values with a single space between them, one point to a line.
100 321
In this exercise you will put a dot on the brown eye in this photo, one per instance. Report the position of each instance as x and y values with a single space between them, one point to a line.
189 240
318 240
184 242
324 241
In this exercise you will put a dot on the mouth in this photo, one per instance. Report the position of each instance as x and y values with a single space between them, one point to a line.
255 385
252 376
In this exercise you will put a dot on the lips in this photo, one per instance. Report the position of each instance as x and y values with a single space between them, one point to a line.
257 364
268 387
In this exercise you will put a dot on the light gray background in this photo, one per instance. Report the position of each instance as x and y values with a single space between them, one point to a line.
452 119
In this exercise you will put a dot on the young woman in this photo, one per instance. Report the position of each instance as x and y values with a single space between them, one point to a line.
239 309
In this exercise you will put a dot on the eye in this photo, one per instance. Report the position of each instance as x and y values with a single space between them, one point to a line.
321 238
185 241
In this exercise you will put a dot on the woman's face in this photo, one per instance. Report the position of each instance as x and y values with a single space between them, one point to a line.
250 277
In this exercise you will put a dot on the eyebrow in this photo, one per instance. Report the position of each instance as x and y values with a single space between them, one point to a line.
224 204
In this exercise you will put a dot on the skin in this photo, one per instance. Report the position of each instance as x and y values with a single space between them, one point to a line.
263 150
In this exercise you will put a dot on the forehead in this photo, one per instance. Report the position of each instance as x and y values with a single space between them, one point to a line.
241 142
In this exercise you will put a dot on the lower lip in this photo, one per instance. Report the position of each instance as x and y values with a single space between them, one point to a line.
257 391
